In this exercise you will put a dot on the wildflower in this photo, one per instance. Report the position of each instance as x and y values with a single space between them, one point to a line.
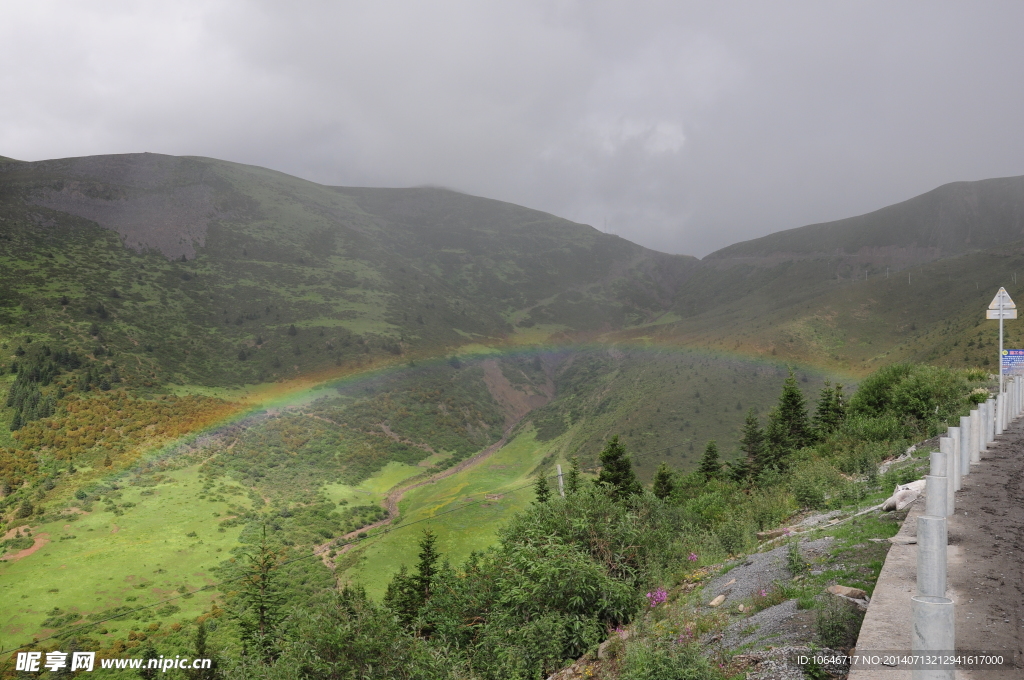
693 557
764 593
685 636
657 597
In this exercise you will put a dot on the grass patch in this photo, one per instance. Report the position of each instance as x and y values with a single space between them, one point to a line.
145 553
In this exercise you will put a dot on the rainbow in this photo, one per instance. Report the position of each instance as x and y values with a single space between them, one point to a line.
261 400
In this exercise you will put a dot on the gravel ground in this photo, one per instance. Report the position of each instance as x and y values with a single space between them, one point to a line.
780 663
768 626
760 571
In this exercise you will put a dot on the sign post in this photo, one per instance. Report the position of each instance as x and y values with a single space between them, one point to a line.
1001 307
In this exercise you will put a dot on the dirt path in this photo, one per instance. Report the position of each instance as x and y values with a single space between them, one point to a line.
395 495
40 541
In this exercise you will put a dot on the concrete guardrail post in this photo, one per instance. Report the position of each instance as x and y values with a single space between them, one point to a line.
931 555
990 420
975 437
935 495
1007 415
946 447
1000 403
965 446
982 428
937 471
1015 398
954 434
1011 401
933 631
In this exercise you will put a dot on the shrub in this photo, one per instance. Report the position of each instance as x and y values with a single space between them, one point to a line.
646 660
807 492
735 534
795 561
838 624
813 482
925 394
770 508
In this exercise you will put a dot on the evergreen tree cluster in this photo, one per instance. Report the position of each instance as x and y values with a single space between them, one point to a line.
27 396
789 428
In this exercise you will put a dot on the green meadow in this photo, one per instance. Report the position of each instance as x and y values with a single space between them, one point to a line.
164 540
373 489
465 510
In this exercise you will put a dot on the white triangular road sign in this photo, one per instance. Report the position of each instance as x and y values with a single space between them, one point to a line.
1007 302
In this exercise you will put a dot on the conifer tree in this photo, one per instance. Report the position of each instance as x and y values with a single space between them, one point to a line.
663 481
541 489
617 471
740 471
788 427
203 651
406 594
148 652
572 478
752 443
793 412
402 597
261 602
830 411
710 466
426 569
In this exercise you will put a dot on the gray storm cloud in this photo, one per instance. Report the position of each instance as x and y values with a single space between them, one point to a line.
682 126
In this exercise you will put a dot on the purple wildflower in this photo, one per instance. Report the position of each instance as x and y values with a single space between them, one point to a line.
657 597
685 636
693 557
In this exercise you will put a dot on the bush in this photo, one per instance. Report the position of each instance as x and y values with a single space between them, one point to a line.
770 508
795 561
735 534
16 544
645 660
925 394
838 624
813 482
807 493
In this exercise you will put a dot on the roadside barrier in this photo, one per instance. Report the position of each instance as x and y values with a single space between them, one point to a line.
933 630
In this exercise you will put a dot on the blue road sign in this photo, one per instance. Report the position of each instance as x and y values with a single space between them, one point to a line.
1013 362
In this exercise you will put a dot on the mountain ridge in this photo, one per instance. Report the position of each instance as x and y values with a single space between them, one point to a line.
949 220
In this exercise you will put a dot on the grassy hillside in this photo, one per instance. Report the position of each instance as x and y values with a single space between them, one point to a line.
930 313
214 273
953 219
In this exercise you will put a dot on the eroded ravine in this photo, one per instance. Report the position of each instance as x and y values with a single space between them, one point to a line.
516 404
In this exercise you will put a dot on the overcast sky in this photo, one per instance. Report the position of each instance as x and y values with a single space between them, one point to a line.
681 126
